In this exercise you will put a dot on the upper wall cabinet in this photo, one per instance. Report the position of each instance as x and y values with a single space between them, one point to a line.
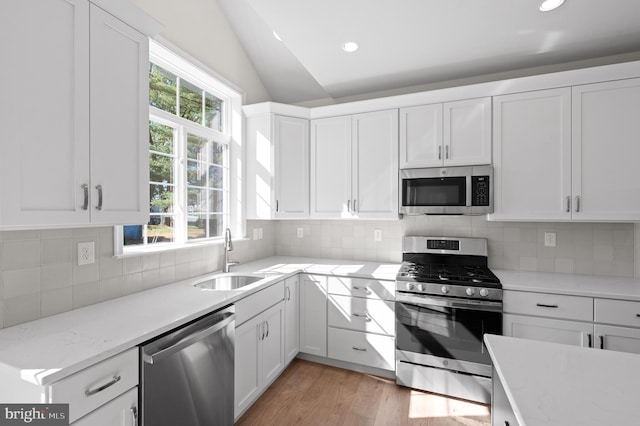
74 117
532 155
277 167
354 172
450 134
567 154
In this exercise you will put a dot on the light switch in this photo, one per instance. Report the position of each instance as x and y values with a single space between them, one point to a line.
255 233
300 232
549 239
259 233
377 234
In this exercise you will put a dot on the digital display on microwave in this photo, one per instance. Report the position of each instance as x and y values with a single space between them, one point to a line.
449 191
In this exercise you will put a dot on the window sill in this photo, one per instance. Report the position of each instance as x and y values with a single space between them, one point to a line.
144 250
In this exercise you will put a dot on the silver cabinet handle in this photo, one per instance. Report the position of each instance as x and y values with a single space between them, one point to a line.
354 206
590 345
366 317
446 152
288 293
99 188
277 206
134 415
262 331
267 322
542 305
440 152
366 290
85 204
568 204
348 205
577 204
355 348
113 381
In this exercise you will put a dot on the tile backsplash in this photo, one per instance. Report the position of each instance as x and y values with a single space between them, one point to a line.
39 275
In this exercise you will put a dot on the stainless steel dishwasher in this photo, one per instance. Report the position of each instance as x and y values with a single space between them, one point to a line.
187 374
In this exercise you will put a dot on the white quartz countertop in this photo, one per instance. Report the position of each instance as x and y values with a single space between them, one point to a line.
572 284
46 350
549 384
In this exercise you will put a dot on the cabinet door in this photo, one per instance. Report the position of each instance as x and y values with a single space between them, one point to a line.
605 151
532 155
501 412
620 339
272 343
548 330
375 164
421 136
44 113
119 121
248 368
291 166
313 315
122 411
331 167
467 132
292 319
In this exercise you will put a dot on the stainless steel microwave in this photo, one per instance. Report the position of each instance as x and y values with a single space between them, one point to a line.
450 190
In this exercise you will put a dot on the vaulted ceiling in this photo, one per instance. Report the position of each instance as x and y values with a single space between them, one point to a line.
413 42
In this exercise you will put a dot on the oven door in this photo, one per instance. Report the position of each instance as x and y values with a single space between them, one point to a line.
446 332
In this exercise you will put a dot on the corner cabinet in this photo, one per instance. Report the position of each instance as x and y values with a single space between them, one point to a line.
446 134
291 319
278 163
354 166
74 150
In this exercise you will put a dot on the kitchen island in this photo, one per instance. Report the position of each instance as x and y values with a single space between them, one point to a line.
549 384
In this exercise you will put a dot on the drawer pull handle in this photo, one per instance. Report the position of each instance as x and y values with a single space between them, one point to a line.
542 305
85 189
638 315
590 342
366 317
134 415
367 291
355 348
113 381
602 342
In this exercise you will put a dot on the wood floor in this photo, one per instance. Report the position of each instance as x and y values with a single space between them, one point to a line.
308 393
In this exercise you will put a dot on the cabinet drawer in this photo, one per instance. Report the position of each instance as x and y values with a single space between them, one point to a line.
115 375
361 287
122 411
618 312
369 349
548 305
251 306
360 314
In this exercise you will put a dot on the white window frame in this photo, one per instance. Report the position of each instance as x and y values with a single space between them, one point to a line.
231 134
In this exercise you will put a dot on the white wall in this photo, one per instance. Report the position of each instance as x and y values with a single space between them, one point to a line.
199 28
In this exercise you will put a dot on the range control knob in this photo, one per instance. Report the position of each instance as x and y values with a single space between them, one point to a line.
484 292
471 291
409 286
444 289
422 287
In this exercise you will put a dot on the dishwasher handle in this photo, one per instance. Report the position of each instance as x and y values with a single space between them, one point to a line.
151 358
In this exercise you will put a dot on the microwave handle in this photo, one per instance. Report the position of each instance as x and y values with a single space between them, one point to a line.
440 152
469 190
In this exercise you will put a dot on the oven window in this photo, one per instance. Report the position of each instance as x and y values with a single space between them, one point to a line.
449 191
445 332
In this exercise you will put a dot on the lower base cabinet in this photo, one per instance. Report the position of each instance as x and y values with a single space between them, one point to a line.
373 350
549 330
122 411
259 356
501 411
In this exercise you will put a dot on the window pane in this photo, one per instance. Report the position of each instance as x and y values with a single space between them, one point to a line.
132 234
196 200
190 102
216 225
161 169
162 89
216 199
216 177
197 226
198 148
160 138
161 198
217 153
196 173
160 229
212 111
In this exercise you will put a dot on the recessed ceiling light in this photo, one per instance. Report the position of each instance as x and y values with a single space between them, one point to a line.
549 5
277 37
350 46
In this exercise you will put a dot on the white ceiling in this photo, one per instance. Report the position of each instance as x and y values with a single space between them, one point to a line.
412 42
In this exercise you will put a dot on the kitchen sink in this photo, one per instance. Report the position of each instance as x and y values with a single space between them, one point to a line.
228 281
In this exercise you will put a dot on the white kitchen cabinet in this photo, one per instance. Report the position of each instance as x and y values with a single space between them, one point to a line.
446 134
278 163
79 130
292 318
621 339
122 411
313 314
605 151
372 350
259 356
354 166
548 330
501 411
532 155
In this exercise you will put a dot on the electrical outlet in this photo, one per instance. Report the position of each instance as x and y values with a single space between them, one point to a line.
86 253
549 239
300 232
377 234
259 233
255 233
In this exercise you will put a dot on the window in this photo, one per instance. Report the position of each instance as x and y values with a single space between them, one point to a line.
190 131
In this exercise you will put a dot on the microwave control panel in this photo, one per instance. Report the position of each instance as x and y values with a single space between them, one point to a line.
479 190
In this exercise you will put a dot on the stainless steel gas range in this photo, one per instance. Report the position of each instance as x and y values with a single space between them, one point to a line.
446 300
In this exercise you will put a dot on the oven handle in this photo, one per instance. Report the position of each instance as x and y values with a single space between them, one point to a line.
427 301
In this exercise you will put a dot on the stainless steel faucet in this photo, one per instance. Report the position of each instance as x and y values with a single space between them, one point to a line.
228 246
